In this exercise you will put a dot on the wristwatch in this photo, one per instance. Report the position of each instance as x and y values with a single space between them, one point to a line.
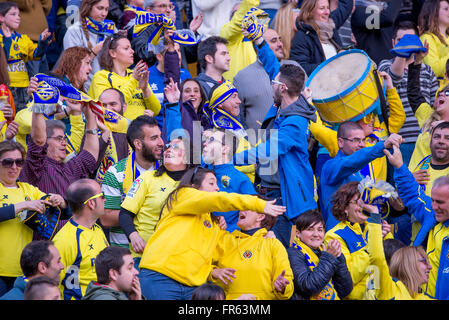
92 131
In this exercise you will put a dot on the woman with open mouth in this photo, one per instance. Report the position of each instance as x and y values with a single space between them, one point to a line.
178 257
351 231
249 261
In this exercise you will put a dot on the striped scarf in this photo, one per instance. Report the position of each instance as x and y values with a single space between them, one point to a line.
328 292
103 29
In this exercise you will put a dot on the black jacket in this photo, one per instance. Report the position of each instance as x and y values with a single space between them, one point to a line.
308 283
375 40
306 47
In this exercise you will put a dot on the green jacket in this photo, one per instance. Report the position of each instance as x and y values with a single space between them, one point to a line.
97 291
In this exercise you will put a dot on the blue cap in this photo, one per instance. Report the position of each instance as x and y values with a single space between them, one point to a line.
409 44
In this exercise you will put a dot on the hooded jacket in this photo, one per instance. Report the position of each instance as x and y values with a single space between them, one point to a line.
207 83
288 149
258 262
97 291
16 293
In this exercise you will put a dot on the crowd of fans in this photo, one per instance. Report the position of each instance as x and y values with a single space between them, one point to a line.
178 150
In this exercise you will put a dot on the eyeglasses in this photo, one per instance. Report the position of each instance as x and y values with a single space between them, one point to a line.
175 146
446 93
60 139
164 6
211 139
279 83
100 195
8 162
354 140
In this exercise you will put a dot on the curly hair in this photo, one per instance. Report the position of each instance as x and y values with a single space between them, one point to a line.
70 63
341 198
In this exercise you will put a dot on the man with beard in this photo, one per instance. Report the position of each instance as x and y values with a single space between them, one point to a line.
144 137
437 163
283 158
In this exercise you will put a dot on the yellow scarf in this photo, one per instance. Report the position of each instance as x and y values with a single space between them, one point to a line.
328 293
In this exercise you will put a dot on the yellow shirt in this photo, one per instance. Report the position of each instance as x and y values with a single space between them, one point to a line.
21 50
14 234
78 247
241 50
258 262
145 199
438 54
135 102
185 239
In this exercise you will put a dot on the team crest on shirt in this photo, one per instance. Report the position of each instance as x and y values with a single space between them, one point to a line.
207 224
247 254
225 181
132 191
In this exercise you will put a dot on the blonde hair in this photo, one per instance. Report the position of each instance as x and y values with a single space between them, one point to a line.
427 126
283 21
404 266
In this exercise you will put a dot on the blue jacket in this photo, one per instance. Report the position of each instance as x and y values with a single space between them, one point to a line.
343 169
288 144
230 180
417 202
16 293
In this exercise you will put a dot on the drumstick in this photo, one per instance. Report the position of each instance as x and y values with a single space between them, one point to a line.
259 123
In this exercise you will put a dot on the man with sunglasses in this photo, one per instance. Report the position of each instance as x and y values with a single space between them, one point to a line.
347 165
81 239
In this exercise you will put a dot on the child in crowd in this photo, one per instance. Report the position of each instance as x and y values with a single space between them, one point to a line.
19 49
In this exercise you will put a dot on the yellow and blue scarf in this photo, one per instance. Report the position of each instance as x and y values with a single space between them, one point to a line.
144 19
255 22
219 118
103 29
328 292
131 172
424 164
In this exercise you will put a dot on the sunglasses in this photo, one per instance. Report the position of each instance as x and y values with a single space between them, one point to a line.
8 162
175 146
211 139
100 195
446 93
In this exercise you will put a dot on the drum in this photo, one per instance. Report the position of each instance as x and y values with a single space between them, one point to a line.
343 87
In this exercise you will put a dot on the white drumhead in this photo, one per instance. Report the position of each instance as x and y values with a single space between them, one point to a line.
338 75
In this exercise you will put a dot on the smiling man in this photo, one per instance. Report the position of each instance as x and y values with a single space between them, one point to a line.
352 157
433 213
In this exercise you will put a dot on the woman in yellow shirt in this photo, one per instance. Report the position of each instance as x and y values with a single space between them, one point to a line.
409 266
115 59
249 262
178 257
16 199
433 24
